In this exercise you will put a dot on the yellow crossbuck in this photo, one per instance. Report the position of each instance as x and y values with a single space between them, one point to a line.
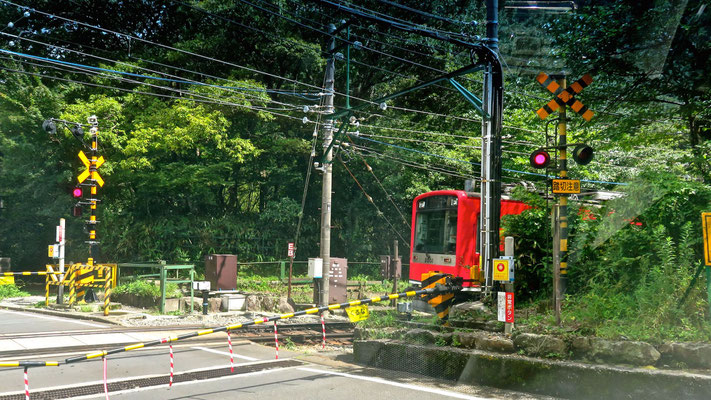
564 97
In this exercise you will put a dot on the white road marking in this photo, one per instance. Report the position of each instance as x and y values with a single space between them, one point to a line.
439 392
225 353
73 321
143 389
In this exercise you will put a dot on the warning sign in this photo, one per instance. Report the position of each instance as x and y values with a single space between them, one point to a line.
562 186
706 224
357 313
505 302
503 269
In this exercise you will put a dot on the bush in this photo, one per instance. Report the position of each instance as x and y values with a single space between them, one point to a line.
11 291
148 289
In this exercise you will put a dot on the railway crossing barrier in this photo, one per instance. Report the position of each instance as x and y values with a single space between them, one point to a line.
439 285
79 277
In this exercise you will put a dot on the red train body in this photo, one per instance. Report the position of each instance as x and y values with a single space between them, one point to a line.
444 234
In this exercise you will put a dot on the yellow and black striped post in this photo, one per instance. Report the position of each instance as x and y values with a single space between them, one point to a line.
440 301
72 288
107 290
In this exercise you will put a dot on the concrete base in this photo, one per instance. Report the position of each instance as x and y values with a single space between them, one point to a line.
552 378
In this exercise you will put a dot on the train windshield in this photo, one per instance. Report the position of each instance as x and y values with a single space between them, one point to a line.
436 225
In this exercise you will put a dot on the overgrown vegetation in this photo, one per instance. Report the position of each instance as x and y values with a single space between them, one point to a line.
632 265
12 291
148 289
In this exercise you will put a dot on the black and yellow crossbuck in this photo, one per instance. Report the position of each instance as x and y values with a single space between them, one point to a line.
564 97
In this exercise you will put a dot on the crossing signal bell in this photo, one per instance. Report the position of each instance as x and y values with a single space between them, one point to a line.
540 159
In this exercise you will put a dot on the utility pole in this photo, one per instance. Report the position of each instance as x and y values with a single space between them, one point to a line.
326 187
492 105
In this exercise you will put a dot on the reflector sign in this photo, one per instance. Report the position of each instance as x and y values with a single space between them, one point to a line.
358 313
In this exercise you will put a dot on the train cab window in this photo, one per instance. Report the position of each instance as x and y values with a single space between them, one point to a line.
436 225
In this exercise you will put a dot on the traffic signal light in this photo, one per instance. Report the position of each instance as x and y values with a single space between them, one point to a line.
77 192
540 158
77 131
583 154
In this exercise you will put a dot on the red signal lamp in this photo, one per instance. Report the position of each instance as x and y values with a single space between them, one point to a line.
77 192
540 159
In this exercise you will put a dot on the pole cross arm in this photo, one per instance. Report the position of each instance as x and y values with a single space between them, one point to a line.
461 71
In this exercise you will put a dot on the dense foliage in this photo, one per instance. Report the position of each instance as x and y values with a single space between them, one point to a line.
201 109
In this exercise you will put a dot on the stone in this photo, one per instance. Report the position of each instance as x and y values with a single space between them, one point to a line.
284 306
496 344
214 304
540 345
581 346
623 352
470 311
693 355
466 339
252 303
420 336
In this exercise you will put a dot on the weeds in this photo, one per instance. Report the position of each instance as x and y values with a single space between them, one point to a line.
7 291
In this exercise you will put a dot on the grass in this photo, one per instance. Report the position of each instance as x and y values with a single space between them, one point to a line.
148 289
7 291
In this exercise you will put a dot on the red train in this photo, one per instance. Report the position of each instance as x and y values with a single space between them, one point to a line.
444 235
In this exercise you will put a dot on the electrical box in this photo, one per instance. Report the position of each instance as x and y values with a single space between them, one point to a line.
221 271
201 285
316 267
338 281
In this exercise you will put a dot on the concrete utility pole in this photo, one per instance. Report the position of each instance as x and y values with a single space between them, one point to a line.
492 106
326 187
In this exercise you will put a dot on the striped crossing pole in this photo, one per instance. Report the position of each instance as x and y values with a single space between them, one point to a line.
107 291
72 288
170 383
232 358
276 340
315 310
439 289
323 329
27 386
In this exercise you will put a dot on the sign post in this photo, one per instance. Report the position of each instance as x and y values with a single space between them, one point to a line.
291 251
706 225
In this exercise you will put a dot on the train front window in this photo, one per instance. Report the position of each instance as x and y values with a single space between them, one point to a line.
436 225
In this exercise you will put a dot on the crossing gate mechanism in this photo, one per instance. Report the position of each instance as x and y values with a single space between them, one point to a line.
441 301
79 277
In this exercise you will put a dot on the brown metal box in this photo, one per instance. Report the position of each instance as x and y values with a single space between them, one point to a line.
338 281
221 271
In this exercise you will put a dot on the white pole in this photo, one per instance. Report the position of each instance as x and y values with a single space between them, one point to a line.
62 241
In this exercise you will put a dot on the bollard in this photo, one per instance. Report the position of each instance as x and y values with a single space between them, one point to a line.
205 301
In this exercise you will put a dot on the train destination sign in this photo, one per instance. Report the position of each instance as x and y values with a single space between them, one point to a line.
562 186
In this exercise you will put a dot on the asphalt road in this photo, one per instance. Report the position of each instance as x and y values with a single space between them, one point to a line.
202 371
26 322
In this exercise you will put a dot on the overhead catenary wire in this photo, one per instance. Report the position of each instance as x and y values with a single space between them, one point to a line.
370 199
382 187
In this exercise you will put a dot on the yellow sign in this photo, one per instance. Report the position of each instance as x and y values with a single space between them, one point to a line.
50 250
94 175
501 269
358 313
7 280
706 224
561 186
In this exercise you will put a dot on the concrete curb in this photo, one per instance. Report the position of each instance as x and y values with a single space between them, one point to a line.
56 313
564 379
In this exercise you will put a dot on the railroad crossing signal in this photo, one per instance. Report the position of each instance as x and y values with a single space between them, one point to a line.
564 97
89 172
